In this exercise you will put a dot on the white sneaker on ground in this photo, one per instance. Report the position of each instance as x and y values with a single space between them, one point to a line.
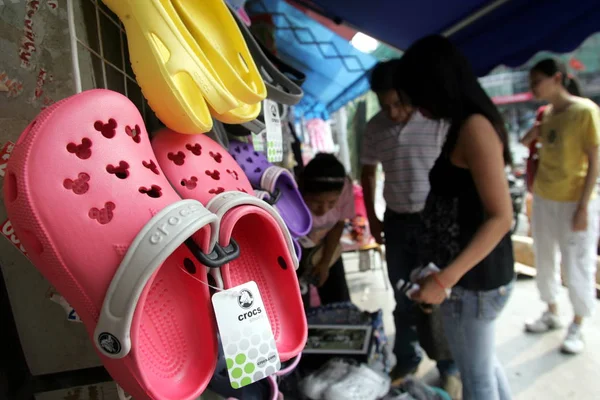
361 383
573 343
547 322
315 384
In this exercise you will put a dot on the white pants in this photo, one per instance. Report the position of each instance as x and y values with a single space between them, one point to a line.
552 232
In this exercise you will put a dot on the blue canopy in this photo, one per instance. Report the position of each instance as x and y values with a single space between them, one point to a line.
490 33
336 72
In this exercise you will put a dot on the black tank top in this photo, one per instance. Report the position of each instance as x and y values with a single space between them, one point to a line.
453 213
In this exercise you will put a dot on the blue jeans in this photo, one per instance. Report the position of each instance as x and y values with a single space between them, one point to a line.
469 323
402 237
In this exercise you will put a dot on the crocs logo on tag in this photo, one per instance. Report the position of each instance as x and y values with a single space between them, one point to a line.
245 299
174 220
109 343
273 110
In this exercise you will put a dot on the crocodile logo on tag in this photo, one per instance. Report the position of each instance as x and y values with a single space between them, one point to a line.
245 299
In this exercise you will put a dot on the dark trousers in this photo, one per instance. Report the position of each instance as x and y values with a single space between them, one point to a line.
402 238
335 288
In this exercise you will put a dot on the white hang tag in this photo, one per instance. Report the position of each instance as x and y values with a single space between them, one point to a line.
258 141
274 132
246 335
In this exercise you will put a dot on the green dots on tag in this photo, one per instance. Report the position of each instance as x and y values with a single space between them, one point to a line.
240 359
249 368
246 381
237 373
235 385
229 363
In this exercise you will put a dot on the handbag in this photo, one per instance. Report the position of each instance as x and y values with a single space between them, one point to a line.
533 159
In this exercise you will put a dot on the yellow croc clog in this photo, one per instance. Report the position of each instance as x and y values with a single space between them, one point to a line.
173 72
240 115
215 30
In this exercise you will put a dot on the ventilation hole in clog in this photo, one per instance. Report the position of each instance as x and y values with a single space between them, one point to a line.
32 242
216 156
257 170
234 157
177 158
83 150
25 133
250 160
121 171
190 183
151 165
108 130
189 266
11 189
78 185
281 262
242 190
218 190
134 133
243 168
155 191
196 149
216 175
233 174
245 147
103 215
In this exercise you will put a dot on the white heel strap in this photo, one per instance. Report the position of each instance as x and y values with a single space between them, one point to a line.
224 202
157 240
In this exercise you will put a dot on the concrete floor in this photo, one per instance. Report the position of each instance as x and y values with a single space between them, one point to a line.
534 365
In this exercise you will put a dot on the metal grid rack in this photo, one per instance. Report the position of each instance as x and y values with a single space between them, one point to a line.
100 54
100 59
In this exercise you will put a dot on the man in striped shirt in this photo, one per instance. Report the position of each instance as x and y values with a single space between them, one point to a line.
407 145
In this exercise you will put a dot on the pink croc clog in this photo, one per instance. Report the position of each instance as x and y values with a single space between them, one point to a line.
100 221
202 170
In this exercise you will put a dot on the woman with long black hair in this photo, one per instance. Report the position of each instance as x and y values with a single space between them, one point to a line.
468 213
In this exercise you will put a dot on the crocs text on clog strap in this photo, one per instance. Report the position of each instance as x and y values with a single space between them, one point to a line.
159 238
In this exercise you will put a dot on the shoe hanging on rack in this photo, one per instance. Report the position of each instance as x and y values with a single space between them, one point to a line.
200 169
188 74
89 203
277 181
276 73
